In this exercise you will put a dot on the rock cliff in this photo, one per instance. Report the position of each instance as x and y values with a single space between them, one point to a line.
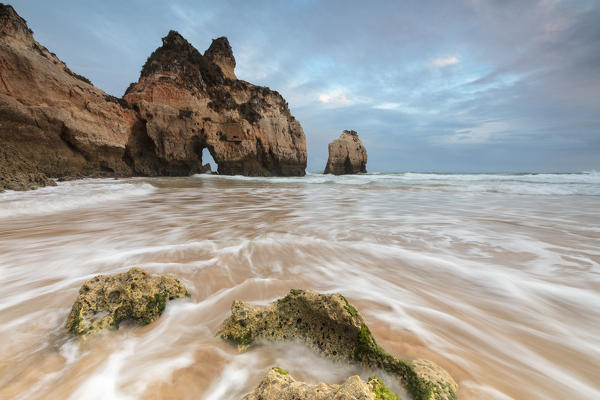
183 102
189 101
347 155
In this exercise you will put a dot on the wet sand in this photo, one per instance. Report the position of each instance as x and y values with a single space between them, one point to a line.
501 289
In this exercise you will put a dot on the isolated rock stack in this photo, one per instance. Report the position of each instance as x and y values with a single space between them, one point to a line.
347 155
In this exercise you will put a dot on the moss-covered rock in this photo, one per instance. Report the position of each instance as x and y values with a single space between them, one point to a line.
331 326
282 386
106 300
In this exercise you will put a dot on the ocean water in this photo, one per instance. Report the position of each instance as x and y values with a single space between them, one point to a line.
495 277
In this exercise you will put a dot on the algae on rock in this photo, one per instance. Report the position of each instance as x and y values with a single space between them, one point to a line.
106 300
278 385
330 325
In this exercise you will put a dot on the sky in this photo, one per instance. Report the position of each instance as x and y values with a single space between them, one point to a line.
430 86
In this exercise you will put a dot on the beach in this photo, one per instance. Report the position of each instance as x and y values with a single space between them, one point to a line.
495 277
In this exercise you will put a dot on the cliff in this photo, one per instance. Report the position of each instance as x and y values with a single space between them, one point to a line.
184 101
189 101
347 155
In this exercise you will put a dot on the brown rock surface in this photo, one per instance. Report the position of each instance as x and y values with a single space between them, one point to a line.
279 385
184 101
331 326
190 101
347 155
106 300
18 173
53 117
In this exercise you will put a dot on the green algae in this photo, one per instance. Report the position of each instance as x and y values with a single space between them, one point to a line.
280 370
381 391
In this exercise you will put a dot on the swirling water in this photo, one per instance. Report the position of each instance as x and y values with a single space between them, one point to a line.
495 277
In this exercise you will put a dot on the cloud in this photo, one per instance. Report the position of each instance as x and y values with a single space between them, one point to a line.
336 97
483 78
441 62
482 133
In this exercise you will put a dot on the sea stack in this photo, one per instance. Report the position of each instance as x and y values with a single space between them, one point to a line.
347 155
60 125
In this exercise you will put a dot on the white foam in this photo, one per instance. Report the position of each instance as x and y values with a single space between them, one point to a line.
585 183
68 196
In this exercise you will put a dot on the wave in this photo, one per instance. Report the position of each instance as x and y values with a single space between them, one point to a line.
583 183
67 196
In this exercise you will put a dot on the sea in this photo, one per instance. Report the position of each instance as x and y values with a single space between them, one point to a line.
495 277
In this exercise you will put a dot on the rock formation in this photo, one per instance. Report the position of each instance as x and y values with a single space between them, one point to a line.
347 155
106 300
189 101
331 326
183 102
17 173
279 385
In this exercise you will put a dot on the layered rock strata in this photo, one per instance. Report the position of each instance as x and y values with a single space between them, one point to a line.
331 326
106 300
183 102
279 385
347 155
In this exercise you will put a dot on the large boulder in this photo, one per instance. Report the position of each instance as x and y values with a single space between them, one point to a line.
183 102
106 300
189 101
331 326
347 155
279 385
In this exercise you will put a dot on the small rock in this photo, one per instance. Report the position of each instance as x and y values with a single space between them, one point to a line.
106 300
279 385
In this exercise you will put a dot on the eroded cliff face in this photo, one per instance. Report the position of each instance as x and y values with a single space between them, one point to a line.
190 101
53 117
347 155
183 102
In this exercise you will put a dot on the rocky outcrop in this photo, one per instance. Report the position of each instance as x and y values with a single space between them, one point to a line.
279 385
183 102
52 117
347 155
106 300
331 326
18 173
189 101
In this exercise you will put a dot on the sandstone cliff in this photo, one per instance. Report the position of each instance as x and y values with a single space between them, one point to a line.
183 102
189 101
347 155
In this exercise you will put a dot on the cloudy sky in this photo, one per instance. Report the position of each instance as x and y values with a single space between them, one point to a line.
449 86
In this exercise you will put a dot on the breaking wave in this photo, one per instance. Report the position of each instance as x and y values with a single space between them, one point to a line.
583 183
68 196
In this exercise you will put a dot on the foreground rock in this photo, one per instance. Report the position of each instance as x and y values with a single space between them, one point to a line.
183 102
347 155
279 385
331 326
107 300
